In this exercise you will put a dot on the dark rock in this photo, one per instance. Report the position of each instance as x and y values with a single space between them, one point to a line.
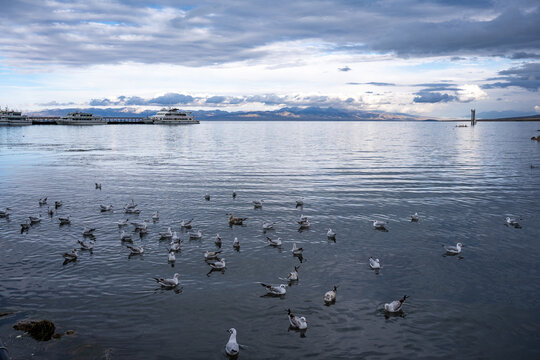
5 314
70 332
533 138
41 330
57 336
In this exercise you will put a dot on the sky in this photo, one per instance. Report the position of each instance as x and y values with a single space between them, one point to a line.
431 58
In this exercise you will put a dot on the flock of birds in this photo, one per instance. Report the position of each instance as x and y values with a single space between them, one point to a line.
213 258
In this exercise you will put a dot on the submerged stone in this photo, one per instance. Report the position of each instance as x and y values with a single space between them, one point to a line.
41 330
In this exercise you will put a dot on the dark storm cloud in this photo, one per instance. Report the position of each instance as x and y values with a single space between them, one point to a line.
197 33
526 76
524 55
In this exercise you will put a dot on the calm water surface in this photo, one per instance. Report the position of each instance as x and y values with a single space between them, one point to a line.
462 181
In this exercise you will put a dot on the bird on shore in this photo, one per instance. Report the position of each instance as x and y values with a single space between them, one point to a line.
86 245
218 240
415 217
71 256
293 275
513 222
276 290
257 204
331 234
330 296
104 208
236 243
166 234
42 201
185 224
135 250
195 235
206 197
125 236
296 250
297 322
453 250
232 348
272 242
396 305
88 231
5 213
268 226
379 225
235 220
57 204
218 265
121 223
168 283
171 258
65 220
34 219
374 263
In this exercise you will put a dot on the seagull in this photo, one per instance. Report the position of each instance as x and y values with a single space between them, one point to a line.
71 256
257 204
268 226
331 234
42 201
293 275
25 226
276 242
135 250
218 265
195 235
104 208
168 283
121 223
125 237
166 234
297 322
175 238
303 218
138 224
415 217
98 186
330 296
172 257
304 224
395 306
86 245
234 194
209 255
88 231
232 348
131 211
300 202
4 213
297 251
206 197
236 243
57 204
278 290
35 220
218 240
131 205
186 224
453 250
236 221
512 222
64 220
155 216
379 225
374 263
175 246
50 211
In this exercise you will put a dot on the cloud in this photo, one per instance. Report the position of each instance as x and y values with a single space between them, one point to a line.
526 76
433 97
464 94
371 83
55 103
346 68
524 55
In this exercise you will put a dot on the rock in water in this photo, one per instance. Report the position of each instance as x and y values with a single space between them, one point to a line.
41 330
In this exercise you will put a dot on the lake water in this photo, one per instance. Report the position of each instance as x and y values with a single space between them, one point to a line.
463 182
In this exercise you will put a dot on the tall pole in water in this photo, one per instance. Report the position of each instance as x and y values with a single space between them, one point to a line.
473 117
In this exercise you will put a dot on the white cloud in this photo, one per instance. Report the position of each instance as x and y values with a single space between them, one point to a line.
468 93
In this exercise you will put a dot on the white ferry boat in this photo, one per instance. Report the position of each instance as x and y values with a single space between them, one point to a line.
79 118
13 118
173 117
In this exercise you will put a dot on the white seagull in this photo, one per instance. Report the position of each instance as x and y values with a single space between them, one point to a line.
122 222
186 224
297 322
297 251
300 202
195 235
166 234
331 234
293 275
395 305
374 263
206 197
278 290
379 225
42 201
64 220
257 204
131 205
453 250
210 255
268 226
104 208
4 213
232 348
34 219
218 265
512 222
168 283
139 225
172 257
135 250
71 256
218 240
276 242
236 243
415 217
125 237
175 246
175 237
330 296
155 216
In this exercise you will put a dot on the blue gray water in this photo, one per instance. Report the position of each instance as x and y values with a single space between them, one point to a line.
463 182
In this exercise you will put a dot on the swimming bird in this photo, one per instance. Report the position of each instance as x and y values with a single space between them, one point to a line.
218 240
155 216
166 234
34 219
293 275
131 205
171 257
218 265
50 211
57 204
98 186
331 234
206 197
139 225
186 224
71 256
125 236
304 222
86 245
512 222
379 225
374 263
297 251
25 226
64 220
300 202
195 235
272 242
330 296
132 211
88 231
104 208
268 226
5 213
303 218
395 306
168 283
415 217
453 250
257 204
121 223
209 255
236 243
297 322
175 237
135 250
42 201
234 194
232 348
278 290
174 246
235 220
